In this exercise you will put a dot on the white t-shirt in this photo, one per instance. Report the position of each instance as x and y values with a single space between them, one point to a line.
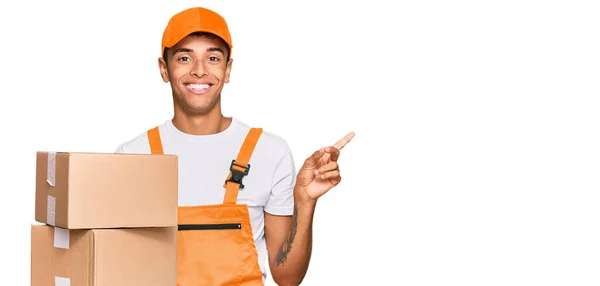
204 162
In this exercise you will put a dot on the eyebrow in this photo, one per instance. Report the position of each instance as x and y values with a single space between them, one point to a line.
215 49
186 50
183 50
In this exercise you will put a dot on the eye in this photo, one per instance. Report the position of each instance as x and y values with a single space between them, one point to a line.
185 59
213 59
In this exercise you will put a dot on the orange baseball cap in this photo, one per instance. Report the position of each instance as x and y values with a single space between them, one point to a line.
192 20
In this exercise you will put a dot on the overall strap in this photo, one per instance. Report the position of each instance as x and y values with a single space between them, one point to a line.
240 167
155 142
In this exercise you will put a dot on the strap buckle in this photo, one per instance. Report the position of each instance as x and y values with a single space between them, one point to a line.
237 175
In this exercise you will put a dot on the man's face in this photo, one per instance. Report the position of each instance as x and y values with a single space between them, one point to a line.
197 70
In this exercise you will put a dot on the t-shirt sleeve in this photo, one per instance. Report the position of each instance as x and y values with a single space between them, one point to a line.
281 199
120 149
137 145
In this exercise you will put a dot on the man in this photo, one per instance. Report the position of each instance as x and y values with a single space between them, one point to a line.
239 198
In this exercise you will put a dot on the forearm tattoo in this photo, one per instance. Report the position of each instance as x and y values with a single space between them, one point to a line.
287 244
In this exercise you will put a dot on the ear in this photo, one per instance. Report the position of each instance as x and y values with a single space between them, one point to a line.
228 70
162 66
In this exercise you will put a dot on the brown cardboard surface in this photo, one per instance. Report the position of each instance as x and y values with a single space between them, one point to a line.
106 190
105 257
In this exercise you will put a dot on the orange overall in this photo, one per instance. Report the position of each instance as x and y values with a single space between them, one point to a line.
215 245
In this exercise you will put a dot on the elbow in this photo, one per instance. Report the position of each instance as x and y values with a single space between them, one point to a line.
287 280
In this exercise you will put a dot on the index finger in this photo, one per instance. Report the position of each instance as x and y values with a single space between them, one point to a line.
342 142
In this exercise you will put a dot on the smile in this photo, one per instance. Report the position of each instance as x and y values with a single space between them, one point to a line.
198 88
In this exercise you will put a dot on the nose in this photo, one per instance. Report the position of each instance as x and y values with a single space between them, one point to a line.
198 69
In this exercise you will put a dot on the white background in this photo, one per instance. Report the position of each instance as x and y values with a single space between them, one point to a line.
476 159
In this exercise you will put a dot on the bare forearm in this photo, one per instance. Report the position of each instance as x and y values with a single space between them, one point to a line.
293 257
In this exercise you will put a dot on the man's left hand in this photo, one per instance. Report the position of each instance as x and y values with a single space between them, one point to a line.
320 172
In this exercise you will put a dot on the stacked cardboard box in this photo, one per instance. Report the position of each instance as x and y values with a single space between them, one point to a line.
104 220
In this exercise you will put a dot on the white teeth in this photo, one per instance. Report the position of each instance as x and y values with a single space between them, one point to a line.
198 86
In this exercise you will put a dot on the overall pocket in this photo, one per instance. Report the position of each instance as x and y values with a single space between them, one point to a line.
210 254
215 246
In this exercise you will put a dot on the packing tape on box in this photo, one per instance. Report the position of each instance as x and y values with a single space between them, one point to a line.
51 210
51 179
62 281
61 238
51 175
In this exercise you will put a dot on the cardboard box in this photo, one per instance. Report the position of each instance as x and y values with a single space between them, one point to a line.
103 257
106 190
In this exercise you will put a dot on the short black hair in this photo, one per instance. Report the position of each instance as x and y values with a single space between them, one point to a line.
209 35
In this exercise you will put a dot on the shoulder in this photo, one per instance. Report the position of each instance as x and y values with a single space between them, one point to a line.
138 144
269 142
275 143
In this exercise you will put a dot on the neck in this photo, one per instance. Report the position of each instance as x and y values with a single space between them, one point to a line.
202 124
